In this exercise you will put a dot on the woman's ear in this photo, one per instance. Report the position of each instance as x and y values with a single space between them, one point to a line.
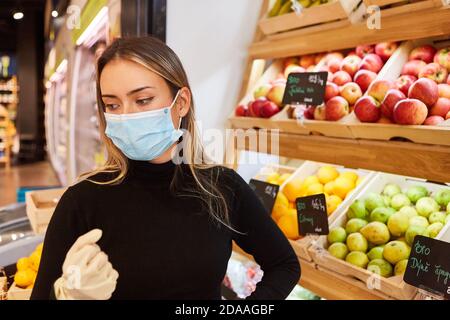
184 101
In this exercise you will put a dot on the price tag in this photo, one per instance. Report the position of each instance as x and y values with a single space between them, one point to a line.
429 266
266 192
305 88
312 215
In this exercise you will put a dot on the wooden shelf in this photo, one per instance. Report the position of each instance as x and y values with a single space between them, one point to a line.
430 162
412 25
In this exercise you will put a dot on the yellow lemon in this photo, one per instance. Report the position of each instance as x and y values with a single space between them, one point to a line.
23 263
310 180
289 225
327 174
293 189
24 278
35 259
291 205
273 176
342 186
39 247
278 211
283 178
314 188
349 175
333 202
328 187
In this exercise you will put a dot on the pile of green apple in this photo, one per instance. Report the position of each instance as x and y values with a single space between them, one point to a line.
381 227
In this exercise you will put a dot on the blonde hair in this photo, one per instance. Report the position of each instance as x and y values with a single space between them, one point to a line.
156 56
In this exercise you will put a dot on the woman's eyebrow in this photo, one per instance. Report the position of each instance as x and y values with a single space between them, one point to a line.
129 93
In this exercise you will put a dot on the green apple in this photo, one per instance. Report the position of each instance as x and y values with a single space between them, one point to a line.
354 225
337 235
357 242
409 211
414 193
437 217
412 232
374 201
338 250
376 232
398 223
376 253
380 267
391 189
400 267
395 251
357 210
381 214
442 197
426 206
387 200
418 221
434 229
358 259
399 201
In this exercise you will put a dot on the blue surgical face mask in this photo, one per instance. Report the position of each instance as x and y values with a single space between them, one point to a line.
144 135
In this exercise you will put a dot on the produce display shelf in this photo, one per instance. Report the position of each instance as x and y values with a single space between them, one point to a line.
326 284
412 25
403 158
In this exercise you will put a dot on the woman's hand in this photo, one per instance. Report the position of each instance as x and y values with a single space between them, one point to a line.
87 273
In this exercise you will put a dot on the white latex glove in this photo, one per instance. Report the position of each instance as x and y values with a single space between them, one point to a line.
87 273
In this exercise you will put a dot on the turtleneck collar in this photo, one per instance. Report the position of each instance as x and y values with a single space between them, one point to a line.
152 171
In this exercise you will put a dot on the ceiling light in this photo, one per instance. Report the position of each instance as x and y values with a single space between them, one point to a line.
18 15
54 13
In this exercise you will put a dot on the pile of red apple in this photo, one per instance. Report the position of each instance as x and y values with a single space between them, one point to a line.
268 97
349 78
421 95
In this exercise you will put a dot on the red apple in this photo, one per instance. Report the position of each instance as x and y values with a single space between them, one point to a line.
276 94
341 78
434 71
350 64
367 109
319 112
241 110
290 60
309 112
262 91
336 108
425 53
331 90
293 68
351 92
319 57
433 120
364 49
364 78
307 60
379 88
371 62
332 55
413 67
425 90
390 100
254 107
410 112
385 49
443 58
311 68
269 109
404 82
440 108
334 64
444 90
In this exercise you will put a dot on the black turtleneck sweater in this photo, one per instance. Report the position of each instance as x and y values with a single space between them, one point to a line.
163 245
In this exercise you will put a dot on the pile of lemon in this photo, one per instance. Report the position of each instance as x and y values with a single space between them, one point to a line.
328 180
27 268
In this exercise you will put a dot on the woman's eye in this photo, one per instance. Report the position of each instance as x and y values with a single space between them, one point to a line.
111 106
143 102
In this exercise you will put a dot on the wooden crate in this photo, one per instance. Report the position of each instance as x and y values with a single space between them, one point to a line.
40 206
16 293
318 15
439 135
396 7
3 287
393 286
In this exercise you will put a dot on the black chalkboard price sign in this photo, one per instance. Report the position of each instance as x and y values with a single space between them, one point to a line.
429 266
312 215
305 88
266 192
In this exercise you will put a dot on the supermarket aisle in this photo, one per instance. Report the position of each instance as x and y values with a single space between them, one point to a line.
36 174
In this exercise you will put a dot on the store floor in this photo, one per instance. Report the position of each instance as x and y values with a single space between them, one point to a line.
36 174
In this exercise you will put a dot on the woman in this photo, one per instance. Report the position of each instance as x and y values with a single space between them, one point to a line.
145 226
